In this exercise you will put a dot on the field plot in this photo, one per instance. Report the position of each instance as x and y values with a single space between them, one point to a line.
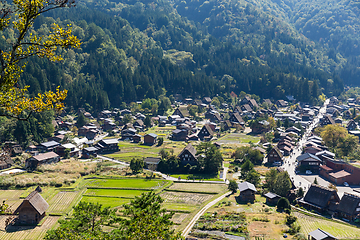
238 138
12 197
26 232
178 218
182 201
342 231
125 183
113 193
62 202
198 177
106 201
199 187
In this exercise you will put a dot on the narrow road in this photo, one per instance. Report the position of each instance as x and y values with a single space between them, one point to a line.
201 212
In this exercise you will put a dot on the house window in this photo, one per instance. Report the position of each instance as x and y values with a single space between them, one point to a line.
186 155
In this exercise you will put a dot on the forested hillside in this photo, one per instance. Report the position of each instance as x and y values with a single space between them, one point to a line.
134 50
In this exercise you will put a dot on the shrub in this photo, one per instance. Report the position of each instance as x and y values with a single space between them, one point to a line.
283 203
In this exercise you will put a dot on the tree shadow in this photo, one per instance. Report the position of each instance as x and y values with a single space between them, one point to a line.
239 201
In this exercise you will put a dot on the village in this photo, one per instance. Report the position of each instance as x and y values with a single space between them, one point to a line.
101 159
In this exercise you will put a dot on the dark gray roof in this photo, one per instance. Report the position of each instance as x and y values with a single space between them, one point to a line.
91 149
319 234
306 156
348 203
152 160
319 196
271 195
246 185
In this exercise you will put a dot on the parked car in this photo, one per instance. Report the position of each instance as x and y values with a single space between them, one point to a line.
308 172
346 184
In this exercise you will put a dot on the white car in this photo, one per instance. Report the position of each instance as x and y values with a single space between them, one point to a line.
346 184
308 172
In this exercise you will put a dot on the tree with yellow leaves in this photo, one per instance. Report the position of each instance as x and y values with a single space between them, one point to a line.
20 16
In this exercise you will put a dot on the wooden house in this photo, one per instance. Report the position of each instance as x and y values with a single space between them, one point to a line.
108 145
206 133
319 234
31 210
321 199
151 163
182 112
5 160
48 146
150 139
179 135
247 192
271 198
308 161
89 152
236 118
74 151
349 207
326 120
274 156
351 126
44 158
188 155
281 103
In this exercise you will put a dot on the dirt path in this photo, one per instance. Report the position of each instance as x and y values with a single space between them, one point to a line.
201 212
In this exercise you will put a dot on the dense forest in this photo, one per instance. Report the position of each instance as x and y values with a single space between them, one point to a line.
132 50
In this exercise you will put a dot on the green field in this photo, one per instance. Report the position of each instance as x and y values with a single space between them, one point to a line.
239 138
179 207
206 177
106 201
125 183
113 193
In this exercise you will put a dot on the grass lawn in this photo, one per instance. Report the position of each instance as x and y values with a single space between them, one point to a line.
199 187
342 231
207 177
125 183
113 193
106 201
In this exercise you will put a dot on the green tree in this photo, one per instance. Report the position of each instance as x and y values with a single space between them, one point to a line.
136 165
283 203
67 153
300 192
160 141
193 110
127 119
315 181
87 222
246 167
210 157
19 17
270 178
81 121
146 220
253 177
233 186
147 121
282 184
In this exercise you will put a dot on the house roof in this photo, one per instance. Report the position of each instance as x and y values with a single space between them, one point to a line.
238 118
245 186
271 195
153 135
189 148
326 168
340 174
50 144
277 151
36 201
68 145
348 204
319 196
152 160
44 156
110 141
307 157
91 149
319 234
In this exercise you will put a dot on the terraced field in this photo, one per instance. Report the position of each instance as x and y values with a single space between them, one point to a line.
199 187
342 231
12 197
26 232
134 183
62 202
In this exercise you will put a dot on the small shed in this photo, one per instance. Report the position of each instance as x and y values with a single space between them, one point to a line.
32 209
151 163
271 198
247 192
150 139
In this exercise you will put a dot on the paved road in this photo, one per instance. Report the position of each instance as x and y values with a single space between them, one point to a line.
201 212
290 162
